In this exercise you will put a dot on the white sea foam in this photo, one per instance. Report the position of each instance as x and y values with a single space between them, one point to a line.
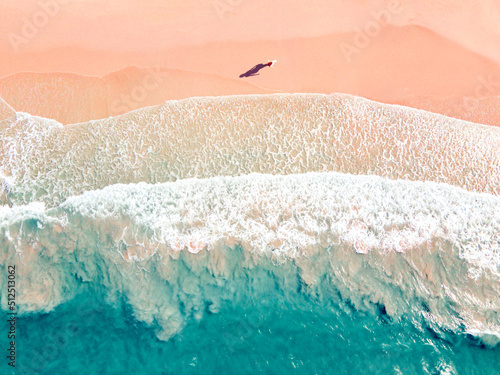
237 135
174 250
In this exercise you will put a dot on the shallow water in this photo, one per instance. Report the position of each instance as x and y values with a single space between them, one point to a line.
40 160
290 271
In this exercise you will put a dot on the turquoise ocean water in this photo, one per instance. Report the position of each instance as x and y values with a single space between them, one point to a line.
86 335
338 297
357 248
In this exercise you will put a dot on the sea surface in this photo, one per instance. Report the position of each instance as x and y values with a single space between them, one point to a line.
275 234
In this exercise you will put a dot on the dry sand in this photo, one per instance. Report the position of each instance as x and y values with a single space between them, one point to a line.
420 54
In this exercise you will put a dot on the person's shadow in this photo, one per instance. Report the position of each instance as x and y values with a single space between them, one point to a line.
254 71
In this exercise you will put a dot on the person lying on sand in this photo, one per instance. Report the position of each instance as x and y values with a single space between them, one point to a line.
255 70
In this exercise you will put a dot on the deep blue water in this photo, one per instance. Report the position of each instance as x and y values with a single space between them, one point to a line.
88 336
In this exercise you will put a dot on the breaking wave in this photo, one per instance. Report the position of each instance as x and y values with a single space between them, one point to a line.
177 251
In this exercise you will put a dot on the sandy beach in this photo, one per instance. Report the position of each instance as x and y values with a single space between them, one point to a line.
391 52
250 187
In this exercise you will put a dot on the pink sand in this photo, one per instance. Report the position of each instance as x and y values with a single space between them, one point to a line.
387 51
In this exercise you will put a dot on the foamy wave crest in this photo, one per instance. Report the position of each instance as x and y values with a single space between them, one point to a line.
231 136
177 251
